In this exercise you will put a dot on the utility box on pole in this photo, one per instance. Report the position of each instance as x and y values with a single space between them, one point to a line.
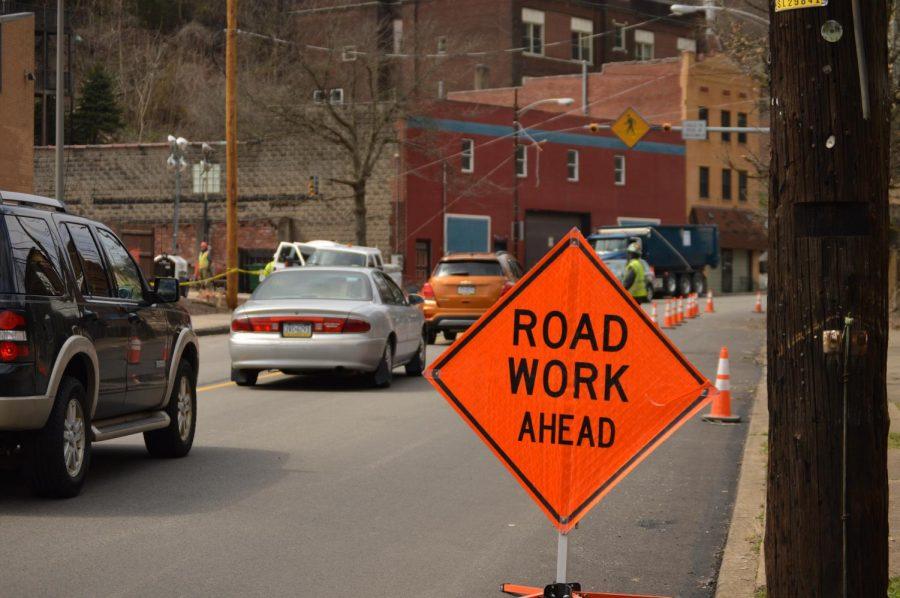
827 508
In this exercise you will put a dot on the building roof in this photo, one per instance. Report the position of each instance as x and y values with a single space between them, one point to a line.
738 229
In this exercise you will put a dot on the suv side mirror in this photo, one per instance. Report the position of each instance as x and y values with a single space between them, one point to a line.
415 299
167 290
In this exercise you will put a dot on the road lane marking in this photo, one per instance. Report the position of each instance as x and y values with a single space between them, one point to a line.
225 384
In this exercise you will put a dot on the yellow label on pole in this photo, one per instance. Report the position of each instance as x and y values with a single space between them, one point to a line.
781 5
630 127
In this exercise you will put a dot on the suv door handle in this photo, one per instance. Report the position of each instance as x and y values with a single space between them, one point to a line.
133 317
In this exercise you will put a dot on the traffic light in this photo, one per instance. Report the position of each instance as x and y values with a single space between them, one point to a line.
313 186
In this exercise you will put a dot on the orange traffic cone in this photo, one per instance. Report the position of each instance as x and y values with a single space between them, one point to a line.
721 398
653 315
758 307
696 305
668 321
679 311
692 306
710 308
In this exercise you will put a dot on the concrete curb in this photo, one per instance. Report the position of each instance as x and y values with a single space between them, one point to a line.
742 566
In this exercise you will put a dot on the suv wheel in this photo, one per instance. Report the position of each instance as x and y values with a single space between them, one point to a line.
430 336
176 439
384 374
244 377
416 365
60 453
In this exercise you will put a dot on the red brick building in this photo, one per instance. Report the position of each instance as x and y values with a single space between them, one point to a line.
459 182
481 44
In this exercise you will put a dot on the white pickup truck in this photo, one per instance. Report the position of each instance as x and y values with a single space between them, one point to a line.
329 253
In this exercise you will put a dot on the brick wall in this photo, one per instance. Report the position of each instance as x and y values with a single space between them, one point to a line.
128 187
16 101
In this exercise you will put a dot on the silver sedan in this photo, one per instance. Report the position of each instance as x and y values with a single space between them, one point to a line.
311 319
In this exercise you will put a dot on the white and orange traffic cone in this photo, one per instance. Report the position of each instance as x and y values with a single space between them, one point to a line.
692 306
653 314
668 322
758 309
679 311
721 398
710 308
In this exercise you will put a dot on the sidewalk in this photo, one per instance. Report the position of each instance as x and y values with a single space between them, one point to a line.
208 324
742 573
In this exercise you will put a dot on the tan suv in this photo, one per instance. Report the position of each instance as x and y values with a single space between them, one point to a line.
462 287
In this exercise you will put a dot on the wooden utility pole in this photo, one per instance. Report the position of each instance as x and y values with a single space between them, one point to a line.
231 173
828 251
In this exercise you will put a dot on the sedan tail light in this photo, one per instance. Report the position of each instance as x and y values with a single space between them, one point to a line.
13 337
320 324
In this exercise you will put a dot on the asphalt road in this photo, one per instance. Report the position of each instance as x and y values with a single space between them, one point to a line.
320 487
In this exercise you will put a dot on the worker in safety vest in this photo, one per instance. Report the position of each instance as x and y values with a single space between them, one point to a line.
203 270
270 267
635 279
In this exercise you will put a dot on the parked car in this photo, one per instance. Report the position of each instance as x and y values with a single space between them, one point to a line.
462 287
294 253
89 351
341 319
654 285
355 255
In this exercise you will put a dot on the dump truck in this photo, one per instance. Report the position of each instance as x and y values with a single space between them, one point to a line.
679 254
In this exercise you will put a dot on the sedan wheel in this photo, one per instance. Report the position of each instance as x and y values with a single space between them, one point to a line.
384 374
416 365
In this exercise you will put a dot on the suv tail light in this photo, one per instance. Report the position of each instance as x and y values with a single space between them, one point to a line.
13 337
427 291
323 325
506 287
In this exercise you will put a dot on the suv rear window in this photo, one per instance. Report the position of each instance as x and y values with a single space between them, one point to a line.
34 258
7 282
469 268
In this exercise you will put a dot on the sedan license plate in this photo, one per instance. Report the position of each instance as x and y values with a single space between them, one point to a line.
295 330
465 289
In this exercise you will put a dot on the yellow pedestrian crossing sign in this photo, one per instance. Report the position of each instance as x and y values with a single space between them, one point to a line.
630 127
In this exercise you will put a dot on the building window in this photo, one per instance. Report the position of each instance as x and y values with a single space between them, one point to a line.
742 122
619 36
398 36
481 76
572 165
742 185
467 155
521 161
442 44
533 39
686 44
726 122
703 114
619 170
643 45
704 182
206 182
726 183
582 40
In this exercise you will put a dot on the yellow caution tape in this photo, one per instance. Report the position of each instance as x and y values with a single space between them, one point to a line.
218 276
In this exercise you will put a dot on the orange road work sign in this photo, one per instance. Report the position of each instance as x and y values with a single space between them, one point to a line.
569 382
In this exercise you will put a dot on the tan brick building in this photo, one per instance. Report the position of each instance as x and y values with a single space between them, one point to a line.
128 187
17 101
722 186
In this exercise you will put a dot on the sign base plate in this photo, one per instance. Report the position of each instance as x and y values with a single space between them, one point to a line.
535 592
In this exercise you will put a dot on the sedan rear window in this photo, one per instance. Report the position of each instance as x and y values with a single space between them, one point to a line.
306 283
329 257
469 268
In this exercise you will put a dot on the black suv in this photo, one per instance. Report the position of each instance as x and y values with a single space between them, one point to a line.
89 350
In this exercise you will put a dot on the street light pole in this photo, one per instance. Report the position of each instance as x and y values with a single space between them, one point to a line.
60 97
177 162
231 223
517 228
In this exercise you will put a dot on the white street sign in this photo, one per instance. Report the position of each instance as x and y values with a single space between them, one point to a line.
693 130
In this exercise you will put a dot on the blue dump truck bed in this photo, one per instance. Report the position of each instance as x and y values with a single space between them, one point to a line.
679 248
